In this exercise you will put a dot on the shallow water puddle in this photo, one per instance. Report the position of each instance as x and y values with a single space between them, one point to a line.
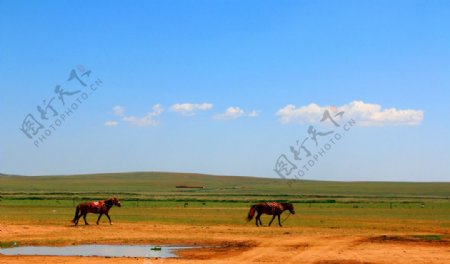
96 250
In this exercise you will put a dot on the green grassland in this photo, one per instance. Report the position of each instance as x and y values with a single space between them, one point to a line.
153 198
154 184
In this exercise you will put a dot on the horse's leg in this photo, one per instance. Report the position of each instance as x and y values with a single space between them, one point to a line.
84 218
109 218
279 222
75 220
78 217
260 222
257 220
273 217
100 216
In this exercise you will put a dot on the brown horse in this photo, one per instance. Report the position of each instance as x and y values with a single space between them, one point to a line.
271 208
100 207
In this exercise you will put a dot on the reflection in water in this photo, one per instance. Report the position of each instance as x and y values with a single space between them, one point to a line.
96 250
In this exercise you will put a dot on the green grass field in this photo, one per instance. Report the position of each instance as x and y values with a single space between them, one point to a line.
154 184
153 198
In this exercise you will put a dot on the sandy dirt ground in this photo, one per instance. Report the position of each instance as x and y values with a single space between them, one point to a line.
232 244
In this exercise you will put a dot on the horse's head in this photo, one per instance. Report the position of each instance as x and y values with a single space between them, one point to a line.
113 201
289 206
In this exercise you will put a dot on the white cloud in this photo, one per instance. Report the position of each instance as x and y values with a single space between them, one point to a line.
305 114
119 110
230 113
111 123
147 120
364 114
189 109
254 113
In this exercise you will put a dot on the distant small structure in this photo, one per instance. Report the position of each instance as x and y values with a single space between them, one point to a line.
189 187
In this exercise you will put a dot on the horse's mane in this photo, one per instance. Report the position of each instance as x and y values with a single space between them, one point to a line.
110 201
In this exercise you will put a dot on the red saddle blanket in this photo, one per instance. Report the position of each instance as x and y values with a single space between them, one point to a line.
96 206
275 206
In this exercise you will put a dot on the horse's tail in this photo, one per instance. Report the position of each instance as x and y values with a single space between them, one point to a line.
251 213
76 214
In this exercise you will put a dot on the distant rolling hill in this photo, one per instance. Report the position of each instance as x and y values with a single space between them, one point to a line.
151 184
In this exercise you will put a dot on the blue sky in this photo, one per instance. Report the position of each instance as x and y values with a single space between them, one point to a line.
226 87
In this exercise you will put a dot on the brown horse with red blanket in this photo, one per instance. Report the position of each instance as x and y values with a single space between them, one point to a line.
270 208
100 207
